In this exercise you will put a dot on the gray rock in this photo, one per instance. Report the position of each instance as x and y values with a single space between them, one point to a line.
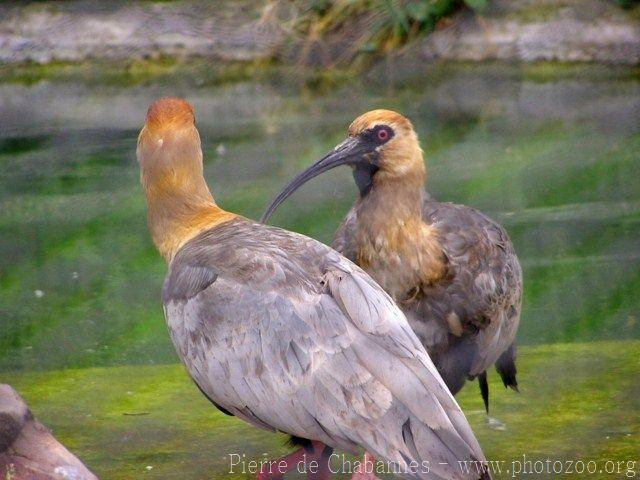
28 450
241 30
78 30
530 31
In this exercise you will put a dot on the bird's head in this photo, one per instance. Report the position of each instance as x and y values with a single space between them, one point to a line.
390 144
179 202
169 149
382 146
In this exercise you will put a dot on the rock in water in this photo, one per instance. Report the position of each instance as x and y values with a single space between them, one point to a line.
28 451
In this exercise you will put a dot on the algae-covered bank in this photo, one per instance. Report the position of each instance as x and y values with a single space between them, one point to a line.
578 402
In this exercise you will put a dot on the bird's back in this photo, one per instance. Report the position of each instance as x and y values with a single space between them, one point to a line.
283 332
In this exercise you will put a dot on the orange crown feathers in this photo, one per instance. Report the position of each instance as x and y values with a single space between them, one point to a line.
169 112
379 117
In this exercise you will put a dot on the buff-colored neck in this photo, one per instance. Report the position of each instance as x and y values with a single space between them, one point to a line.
176 216
390 226
393 197
179 203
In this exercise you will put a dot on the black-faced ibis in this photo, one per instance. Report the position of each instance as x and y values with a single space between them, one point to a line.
452 269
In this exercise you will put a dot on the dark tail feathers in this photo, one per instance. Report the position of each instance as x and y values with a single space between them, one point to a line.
506 367
484 389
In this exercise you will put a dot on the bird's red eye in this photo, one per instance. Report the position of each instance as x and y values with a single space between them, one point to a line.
383 135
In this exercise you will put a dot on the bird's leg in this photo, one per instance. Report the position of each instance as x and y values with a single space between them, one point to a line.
275 469
322 454
366 469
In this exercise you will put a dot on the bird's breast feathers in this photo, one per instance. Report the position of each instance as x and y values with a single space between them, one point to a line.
402 257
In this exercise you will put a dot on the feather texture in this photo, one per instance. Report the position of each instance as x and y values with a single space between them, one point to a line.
291 336
470 317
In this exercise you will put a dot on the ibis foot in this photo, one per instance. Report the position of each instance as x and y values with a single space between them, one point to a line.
364 476
296 461
366 469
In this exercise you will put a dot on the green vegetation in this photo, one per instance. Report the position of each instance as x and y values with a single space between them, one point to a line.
578 401
136 72
383 25
201 73
348 28
390 23
628 3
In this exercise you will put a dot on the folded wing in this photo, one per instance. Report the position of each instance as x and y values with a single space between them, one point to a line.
285 333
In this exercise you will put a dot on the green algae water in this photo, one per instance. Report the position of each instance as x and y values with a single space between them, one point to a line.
578 402
552 153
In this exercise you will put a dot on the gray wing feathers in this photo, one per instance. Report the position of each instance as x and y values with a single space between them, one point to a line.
339 363
185 281
486 289
386 346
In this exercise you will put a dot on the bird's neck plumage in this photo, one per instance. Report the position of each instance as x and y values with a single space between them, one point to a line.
179 208
395 245
397 197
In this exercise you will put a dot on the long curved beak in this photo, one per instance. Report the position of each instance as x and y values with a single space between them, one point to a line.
349 152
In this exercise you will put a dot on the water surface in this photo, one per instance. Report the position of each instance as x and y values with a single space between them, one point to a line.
554 158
